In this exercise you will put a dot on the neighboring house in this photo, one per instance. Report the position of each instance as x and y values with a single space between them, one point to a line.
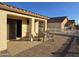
70 25
57 23
77 27
16 24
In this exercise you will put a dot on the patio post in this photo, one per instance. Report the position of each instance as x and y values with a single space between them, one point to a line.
45 28
32 29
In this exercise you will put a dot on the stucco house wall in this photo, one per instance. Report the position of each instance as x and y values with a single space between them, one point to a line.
3 31
57 26
24 27
3 26
63 24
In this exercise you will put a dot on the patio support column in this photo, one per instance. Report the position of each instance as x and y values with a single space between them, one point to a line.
32 29
45 25
45 29
3 31
36 27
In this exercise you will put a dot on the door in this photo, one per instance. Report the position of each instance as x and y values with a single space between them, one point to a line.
11 29
14 29
19 28
12 33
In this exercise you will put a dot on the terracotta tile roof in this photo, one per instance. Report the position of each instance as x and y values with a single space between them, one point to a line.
57 19
7 7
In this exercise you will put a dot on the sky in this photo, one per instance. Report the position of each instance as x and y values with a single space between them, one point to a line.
51 9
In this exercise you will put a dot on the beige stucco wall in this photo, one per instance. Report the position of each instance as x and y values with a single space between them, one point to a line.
24 27
3 31
63 24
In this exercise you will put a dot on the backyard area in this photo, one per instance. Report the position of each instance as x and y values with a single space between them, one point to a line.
58 46
28 33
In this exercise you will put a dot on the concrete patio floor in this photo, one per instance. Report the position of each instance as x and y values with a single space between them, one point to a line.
36 48
15 47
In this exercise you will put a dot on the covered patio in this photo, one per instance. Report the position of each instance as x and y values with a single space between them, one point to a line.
18 24
19 28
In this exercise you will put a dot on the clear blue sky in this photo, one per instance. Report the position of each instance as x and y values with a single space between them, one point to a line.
51 9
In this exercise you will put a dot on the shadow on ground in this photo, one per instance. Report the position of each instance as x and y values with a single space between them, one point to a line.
67 50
